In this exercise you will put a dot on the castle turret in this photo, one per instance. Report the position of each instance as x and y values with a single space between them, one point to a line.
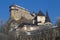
40 18
47 21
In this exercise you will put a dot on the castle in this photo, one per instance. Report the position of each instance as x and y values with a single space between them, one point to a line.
20 16
18 13
29 26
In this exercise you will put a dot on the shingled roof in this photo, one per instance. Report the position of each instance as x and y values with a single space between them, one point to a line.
40 13
47 17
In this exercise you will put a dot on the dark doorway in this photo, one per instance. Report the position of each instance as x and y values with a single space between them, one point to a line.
57 38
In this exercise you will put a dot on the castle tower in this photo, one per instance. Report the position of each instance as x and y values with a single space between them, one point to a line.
47 21
14 12
40 18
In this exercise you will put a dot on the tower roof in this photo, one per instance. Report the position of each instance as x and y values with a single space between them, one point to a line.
12 5
47 17
40 13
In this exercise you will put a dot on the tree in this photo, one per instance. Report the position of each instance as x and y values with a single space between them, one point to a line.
58 22
1 24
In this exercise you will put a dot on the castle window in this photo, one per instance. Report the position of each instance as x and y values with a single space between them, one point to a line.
57 38
40 22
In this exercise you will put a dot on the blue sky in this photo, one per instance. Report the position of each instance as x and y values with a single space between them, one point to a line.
53 7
